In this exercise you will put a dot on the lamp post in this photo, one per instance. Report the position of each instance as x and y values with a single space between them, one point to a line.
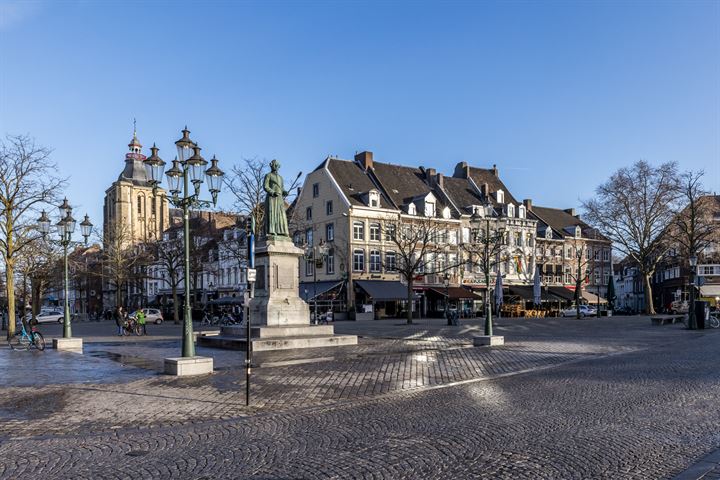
446 279
65 228
187 168
692 321
310 254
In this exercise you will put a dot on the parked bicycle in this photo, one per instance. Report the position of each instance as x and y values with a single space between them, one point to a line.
714 321
23 340
132 327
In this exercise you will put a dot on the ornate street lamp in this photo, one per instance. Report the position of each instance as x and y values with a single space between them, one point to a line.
65 228
188 167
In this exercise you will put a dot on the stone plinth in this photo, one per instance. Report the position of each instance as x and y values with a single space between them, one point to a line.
491 340
72 344
280 318
185 366
276 302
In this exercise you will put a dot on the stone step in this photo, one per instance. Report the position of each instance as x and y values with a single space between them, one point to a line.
284 331
277 343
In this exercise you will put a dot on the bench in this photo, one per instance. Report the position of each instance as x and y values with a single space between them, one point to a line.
663 319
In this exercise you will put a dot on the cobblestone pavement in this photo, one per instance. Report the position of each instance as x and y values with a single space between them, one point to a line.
623 400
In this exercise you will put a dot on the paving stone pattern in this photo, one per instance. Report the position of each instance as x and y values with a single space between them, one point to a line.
613 401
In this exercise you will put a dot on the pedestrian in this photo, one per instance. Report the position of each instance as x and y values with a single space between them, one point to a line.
119 319
140 317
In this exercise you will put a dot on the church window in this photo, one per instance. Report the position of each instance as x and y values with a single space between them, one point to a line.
139 205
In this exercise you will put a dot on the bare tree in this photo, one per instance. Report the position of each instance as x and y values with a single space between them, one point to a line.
484 251
633 209
119 259
39 267
169 255
27 181
246 183
693 227
579 270
414 240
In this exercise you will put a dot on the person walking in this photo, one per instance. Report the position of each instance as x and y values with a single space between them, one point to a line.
119 319
140 317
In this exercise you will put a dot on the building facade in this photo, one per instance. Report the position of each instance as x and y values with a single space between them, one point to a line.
345 211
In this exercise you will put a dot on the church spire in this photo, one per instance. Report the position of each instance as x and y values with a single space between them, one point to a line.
135 145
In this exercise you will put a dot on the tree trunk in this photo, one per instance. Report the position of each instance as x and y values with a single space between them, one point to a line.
176 314
410 301
649 306
10 284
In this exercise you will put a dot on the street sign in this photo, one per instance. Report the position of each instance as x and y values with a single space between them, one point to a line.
251 274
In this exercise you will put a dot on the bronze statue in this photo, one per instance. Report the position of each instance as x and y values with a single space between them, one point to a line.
275 218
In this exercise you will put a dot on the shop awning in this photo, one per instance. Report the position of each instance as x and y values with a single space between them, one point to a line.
226 301
526 293
592 298
310 290
381 290
562 292
456 293
710 291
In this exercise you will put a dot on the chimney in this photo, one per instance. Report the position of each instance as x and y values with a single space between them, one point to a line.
485 190
365 159
528 204
439 180
571 211
429 176
462 170
495 170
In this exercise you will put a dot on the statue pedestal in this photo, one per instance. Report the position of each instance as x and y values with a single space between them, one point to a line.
277 302
280 318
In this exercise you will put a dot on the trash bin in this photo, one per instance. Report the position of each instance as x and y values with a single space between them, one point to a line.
702 313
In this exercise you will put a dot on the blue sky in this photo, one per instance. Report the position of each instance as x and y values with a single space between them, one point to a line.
557 94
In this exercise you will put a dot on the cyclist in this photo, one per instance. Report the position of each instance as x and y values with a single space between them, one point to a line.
140 317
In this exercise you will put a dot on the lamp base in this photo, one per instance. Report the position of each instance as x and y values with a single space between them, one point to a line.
185 366
73 344
488 340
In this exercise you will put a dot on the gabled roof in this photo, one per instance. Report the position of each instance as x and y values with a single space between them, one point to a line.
559 220
402 184
353 181
482 176
461 193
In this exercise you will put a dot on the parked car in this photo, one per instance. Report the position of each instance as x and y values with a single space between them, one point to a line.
585 311
679 306
48 316
152 315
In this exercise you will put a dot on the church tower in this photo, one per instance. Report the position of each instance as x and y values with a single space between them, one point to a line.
131 211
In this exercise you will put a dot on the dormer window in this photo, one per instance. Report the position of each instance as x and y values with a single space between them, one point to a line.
578 231
429 209
521 211
446 212
511 210
373 198
411 210
548 232
500 196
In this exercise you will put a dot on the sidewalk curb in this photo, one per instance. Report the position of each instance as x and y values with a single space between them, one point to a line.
701 468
